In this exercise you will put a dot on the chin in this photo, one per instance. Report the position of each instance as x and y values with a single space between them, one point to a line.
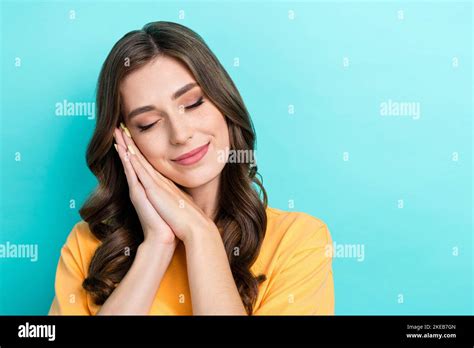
197 177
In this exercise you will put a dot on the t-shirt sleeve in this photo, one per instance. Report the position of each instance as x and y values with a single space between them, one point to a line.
304 284
70 298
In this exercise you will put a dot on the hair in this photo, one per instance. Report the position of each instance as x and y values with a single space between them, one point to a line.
241 212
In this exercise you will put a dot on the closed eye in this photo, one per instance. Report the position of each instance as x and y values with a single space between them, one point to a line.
144 128
195 105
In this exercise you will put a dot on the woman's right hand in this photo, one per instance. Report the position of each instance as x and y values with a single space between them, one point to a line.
155 229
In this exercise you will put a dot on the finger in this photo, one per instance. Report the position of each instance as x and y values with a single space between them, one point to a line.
143 176
124 156
118 139
118 135
133 148
159 195
150 169
127 141
149 217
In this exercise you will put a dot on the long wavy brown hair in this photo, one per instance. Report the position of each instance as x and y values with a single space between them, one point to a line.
111 216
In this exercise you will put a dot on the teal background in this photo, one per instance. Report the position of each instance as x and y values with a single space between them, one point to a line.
283 62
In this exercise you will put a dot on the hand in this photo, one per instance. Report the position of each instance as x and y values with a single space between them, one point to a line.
155 229
176 207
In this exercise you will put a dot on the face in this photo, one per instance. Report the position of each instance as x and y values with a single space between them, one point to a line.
170 118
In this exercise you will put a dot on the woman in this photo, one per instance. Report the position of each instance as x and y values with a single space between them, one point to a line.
175 227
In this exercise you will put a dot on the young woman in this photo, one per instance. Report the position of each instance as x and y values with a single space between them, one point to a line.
174 227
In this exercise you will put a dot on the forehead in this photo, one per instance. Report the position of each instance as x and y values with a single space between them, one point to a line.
158 79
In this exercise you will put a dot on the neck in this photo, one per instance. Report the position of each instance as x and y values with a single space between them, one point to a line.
206 196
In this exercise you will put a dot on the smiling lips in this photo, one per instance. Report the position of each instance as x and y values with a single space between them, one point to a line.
193 156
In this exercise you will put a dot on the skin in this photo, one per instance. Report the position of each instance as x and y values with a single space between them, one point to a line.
178 130
169 213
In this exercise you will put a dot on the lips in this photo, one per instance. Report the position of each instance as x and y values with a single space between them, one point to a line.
192 156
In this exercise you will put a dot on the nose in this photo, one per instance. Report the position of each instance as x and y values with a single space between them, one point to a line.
180 131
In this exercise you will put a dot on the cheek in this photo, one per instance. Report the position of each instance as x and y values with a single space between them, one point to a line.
223 134
152 151
217 126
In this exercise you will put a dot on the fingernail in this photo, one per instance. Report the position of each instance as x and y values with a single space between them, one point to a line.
125 129
116 147
130 148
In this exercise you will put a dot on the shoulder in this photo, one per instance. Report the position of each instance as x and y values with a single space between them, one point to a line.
81 243
294 231
81 235
297 224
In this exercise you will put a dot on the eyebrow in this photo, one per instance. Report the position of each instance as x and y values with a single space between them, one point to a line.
176 95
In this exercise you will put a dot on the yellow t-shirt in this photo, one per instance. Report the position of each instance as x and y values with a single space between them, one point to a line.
294 256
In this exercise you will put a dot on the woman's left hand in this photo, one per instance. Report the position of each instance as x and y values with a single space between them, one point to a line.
176 207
